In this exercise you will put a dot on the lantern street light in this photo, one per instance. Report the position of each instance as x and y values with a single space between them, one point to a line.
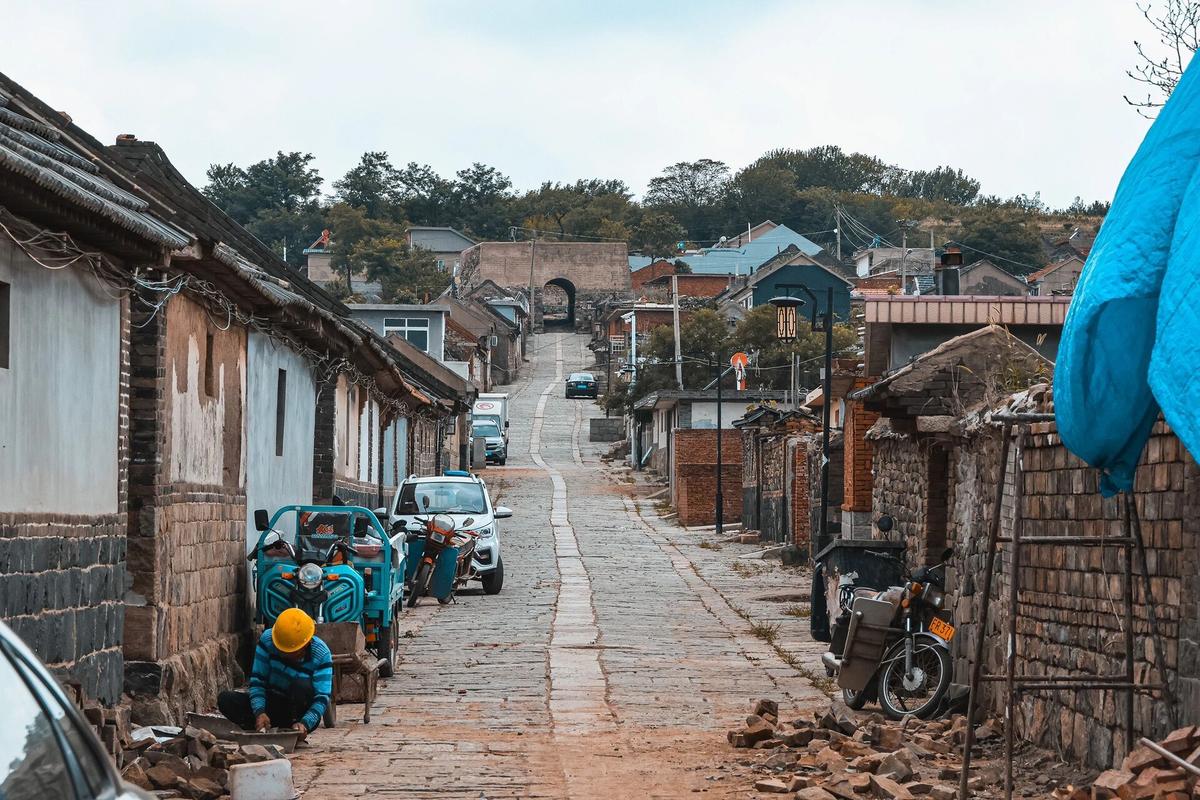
786 314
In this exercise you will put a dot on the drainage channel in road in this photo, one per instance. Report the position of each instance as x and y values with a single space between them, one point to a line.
577 684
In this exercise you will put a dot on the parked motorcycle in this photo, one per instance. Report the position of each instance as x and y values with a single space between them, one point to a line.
444 559
893 646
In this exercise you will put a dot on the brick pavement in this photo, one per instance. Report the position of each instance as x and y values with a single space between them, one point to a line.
609 666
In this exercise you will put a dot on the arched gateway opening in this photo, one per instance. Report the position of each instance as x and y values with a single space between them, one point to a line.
558 305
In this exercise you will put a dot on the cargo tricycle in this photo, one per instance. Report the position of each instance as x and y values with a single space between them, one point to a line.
336 563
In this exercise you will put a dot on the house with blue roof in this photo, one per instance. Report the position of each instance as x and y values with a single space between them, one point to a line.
743 255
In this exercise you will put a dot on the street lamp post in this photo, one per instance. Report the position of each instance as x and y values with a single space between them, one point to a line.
786 313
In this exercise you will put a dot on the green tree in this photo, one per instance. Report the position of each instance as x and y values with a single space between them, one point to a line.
481 199
940 183
276 199
426 196
1004 235
406 274
695 193
658 234
372 185
772 359
763 191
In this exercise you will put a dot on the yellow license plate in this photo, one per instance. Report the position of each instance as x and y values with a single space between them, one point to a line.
941 628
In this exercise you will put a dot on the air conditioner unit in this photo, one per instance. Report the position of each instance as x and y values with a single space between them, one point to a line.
493 340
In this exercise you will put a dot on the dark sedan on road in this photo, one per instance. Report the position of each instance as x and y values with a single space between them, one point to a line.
581 384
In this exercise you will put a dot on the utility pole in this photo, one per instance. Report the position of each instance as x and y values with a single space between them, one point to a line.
826 407
532 250
837 227
720 518
675 322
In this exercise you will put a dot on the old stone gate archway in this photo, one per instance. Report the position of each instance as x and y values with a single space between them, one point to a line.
558 305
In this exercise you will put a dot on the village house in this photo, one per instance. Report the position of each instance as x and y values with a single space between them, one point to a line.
937 472
444 244
652 270
72 234
1057 278
781 465
787 274
247 413
690 285
423 326
216 379
498 338
675 436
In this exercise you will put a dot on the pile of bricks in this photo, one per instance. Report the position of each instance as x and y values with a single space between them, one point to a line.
1150 773
837 755
192 764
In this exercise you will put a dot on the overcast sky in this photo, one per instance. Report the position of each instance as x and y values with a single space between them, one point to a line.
1025 95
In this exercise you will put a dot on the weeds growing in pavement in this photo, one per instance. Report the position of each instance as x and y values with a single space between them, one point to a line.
765 631
797 610
707 545
746 569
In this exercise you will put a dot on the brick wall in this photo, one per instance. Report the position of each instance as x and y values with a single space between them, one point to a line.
325 432
1071 598
695 483
657 269
836 482
598 266
858 458
185 612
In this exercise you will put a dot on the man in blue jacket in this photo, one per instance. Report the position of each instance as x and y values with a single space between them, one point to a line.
290 682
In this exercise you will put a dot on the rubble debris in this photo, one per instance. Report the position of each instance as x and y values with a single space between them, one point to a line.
1169 768
190 762
839 754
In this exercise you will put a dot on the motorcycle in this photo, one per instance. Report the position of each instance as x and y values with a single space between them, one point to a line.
443 557
893 646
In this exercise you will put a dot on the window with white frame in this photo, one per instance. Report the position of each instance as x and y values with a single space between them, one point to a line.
414 329
441 264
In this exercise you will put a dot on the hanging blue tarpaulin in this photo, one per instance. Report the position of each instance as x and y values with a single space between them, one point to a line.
1131 344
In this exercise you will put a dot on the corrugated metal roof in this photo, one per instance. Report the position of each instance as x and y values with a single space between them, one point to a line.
746 259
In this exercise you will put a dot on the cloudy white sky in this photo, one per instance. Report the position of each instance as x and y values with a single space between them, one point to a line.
1025 95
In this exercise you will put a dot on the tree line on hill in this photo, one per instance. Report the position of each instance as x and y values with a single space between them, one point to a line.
281 200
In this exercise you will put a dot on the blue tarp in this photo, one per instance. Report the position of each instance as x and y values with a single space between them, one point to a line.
1131 344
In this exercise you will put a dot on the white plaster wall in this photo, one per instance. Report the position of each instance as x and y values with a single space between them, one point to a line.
60 396
273 481
704 415
197 426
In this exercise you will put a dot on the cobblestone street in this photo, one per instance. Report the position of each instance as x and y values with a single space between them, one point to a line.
610 665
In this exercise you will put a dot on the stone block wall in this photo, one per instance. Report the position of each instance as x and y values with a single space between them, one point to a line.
695 484
1071 597
1072 604
813 456
750 477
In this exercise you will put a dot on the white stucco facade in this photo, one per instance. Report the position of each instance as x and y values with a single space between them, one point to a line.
274 479
60 393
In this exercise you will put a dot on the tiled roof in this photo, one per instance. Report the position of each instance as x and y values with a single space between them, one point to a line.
39 146
1046 270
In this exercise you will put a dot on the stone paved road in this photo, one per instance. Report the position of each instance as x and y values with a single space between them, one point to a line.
608 667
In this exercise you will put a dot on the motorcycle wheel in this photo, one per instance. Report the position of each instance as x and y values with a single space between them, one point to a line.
855 700
385 648
420 583
922 697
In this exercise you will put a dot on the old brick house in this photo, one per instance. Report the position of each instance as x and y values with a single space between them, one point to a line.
937 471
781 453
72 234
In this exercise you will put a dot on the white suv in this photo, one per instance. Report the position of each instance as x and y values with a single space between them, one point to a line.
463 496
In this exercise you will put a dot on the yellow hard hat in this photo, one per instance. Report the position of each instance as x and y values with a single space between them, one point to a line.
293 629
